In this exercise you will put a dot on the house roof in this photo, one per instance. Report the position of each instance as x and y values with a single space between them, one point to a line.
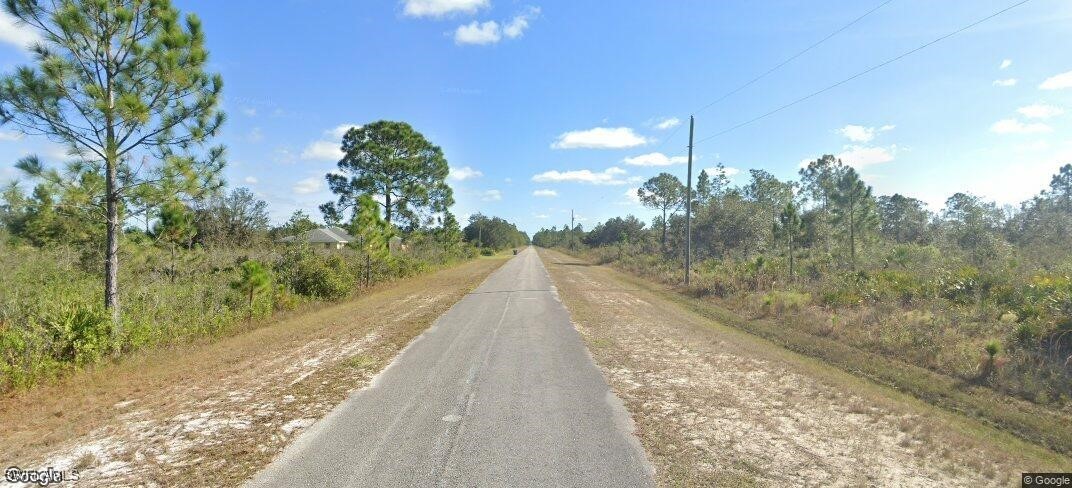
334 235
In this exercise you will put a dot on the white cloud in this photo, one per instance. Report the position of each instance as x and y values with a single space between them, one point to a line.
1040 111
668 123
609 176
10 136
1013 126
249 112
542 216
1057 82
599 138
655 159
439 8
464 173
1005 82
283 155
329 149
491 196
340 130
517 26
857 133
252 180
887 127
631 195
1005 64
255 135
309 185
861 156
19 35
478 33
322 151
545 193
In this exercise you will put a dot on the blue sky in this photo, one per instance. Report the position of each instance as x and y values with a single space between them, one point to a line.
544 106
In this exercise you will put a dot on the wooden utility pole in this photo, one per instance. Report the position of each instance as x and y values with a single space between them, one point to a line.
571 236
688 208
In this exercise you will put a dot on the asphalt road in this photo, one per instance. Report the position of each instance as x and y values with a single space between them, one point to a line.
500 391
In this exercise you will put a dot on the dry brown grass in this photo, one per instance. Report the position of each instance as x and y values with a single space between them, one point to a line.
213 413
715 406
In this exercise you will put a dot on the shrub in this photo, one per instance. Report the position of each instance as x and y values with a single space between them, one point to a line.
310 274
779 302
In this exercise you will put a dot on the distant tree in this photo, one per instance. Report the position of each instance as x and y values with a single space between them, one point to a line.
395 162
818 181
853 209
710 186
1061 187
903 219
665 193
117 81
174 228
789 230
493 233
237 219
972 224
253 279
449 232
771 194
298 223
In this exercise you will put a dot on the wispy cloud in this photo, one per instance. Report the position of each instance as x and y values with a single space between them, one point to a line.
439 8
491 196
859 133
1005 64
464 173
250 180
322 151
1057 82
655 159
609 176
545 193
861 156
16 34
1040 111
309 185
10 135
520 23
1013 126
667 123
599 138
1007 82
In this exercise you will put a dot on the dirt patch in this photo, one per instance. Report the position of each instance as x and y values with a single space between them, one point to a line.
715 406
214 414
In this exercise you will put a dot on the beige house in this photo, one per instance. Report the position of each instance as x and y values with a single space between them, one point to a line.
326 237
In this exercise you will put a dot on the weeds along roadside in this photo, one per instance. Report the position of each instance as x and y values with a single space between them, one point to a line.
52 321
935 349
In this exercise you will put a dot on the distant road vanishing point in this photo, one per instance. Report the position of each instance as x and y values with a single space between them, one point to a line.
500 391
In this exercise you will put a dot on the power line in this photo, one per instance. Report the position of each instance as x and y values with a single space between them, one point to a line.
864 72
774 68
791 58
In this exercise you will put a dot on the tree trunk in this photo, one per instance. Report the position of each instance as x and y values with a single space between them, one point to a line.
111 254
387 205
852 236
663 242
791 259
